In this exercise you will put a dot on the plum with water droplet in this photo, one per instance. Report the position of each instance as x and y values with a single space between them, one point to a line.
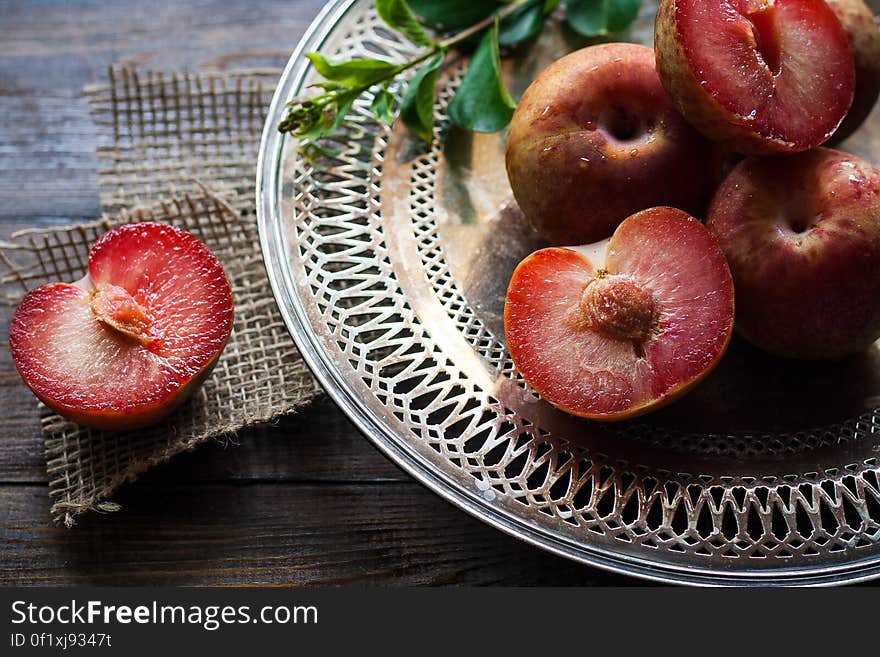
595 138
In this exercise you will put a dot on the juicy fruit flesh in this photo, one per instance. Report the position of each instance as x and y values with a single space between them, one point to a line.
153 313
73 359
758 59
666 268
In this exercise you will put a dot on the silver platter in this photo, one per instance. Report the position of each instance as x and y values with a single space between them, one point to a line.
389 263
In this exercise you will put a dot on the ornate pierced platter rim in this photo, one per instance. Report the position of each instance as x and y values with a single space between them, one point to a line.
395 446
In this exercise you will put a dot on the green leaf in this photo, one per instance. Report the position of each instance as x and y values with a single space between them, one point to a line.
354 72
600 17
482 103
587 17
382 105
398 16
342 110
454 13
417 107
523 24
621 14
328 85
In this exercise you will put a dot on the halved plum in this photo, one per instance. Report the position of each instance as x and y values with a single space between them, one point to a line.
759 76
622 327
129 342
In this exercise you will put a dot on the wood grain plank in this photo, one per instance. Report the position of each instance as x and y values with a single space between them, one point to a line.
319 444
21 445
47 157
265 534
85 36
47 162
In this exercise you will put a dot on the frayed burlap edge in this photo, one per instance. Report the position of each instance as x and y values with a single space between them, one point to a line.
177 148
259 377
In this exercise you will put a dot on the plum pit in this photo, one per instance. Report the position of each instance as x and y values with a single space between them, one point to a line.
116 308
619 308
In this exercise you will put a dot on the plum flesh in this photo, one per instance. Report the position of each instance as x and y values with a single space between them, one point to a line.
125 345
615 330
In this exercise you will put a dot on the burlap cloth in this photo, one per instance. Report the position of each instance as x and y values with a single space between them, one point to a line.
180 149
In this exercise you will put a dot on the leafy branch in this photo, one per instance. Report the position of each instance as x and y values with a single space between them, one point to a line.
482 102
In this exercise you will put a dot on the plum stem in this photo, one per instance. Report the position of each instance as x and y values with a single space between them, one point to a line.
304 116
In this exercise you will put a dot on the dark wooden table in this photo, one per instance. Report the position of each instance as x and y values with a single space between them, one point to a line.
306 502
